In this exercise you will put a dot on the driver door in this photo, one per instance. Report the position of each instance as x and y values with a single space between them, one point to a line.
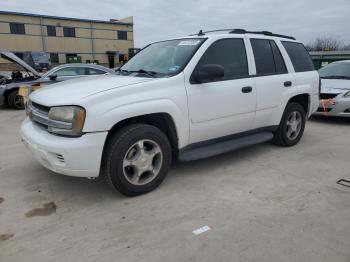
227 105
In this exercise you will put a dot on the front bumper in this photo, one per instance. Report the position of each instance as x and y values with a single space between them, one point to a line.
80 157
341 107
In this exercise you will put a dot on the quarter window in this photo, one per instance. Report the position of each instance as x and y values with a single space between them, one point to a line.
299 56
51 30
17 28
268 59
230 54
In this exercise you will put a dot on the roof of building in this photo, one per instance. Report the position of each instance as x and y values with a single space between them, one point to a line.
112 21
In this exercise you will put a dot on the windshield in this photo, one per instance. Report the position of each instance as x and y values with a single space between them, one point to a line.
336 70
163 58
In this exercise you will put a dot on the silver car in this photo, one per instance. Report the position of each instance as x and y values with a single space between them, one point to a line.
335 89
9 86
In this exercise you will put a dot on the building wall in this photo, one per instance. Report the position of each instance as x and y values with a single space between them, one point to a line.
93 38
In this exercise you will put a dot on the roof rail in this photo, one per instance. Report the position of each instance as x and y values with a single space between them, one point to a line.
243 31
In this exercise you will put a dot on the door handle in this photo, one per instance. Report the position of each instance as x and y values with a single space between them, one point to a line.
287 83
247 89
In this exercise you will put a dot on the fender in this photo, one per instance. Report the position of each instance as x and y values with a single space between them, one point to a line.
112 116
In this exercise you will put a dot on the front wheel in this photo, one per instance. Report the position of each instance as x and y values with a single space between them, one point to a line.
292 125
136 159
15 101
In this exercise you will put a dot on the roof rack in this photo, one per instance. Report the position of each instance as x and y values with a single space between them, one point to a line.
243 31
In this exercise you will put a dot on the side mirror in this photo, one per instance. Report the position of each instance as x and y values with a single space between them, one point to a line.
53 77
207 73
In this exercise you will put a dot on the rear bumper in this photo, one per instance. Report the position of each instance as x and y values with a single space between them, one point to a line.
80 157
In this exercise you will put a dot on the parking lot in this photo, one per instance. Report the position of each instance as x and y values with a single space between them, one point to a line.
262 203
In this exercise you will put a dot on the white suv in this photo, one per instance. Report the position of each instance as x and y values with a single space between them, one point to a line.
185 99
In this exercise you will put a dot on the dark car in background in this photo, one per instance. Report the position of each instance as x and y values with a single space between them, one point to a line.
40 61
9 86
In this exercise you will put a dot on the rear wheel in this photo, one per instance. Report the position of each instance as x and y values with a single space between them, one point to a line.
292 125
136 159
15 101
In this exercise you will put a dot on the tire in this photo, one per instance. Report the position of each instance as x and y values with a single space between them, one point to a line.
289 131
15 101
131 162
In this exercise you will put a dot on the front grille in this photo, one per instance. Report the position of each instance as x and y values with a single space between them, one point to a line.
39 114
41 107
327 96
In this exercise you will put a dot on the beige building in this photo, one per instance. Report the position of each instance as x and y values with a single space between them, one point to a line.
63 38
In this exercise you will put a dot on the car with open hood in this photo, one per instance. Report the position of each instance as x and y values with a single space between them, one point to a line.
335 89
26 75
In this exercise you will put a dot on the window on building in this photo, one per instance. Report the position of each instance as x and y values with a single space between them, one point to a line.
51 30
230 54
54 58
122 35
300 57
17 28
268 59
68 31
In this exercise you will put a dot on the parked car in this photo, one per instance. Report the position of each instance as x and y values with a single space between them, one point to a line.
187 98
335 89
9 90
38 60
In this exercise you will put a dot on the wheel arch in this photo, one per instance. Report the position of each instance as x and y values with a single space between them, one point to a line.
303 100
163 121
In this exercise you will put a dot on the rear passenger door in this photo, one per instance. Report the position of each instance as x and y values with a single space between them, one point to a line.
272 81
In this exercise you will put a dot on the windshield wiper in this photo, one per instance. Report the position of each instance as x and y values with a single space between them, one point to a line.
335 77
143 71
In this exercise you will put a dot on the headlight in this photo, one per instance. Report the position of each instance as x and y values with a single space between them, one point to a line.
66 120
347 94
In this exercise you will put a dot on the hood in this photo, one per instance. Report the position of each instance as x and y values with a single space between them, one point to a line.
71 91
15 59
333 86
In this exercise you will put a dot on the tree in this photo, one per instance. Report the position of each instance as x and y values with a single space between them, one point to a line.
325 44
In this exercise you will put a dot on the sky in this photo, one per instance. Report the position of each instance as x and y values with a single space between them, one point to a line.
156 20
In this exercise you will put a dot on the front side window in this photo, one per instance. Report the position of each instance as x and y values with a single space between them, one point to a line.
94 71
335 71
162 59
299 56
228 53
268 59
71 71
68 31
17 28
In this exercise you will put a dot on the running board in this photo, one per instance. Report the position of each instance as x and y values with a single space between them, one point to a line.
225 146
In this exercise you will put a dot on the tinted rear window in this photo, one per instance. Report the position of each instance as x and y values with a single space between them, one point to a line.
268 59
299 56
